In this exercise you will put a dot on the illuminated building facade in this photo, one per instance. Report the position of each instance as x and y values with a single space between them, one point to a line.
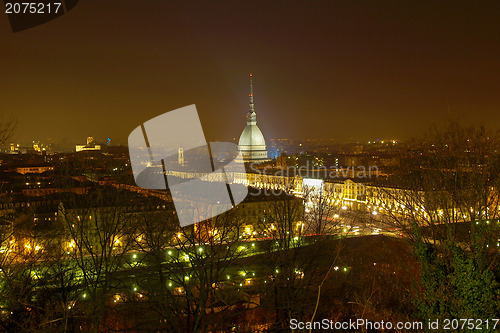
89 146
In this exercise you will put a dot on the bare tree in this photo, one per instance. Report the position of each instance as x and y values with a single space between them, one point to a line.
97 229
190 285
7 127
302 251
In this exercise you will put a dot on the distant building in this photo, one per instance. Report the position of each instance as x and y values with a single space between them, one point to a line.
14 148
34 169
89 146
252 144
38 147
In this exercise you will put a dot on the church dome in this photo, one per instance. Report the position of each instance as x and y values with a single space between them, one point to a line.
252 136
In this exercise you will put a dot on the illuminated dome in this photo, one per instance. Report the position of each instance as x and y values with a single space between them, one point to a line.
252 137
252 144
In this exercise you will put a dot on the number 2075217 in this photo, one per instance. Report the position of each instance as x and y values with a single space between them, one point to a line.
32 7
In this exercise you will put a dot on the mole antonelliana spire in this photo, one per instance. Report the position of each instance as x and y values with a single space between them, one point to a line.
252 107
252 144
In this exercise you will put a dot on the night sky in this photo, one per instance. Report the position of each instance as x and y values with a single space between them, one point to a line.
322 69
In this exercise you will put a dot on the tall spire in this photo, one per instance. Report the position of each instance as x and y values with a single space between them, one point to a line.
252 109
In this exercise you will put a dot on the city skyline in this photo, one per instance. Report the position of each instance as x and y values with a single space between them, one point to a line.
344 71
249 166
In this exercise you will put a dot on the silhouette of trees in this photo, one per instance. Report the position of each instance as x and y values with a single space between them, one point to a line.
446 199
300 252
